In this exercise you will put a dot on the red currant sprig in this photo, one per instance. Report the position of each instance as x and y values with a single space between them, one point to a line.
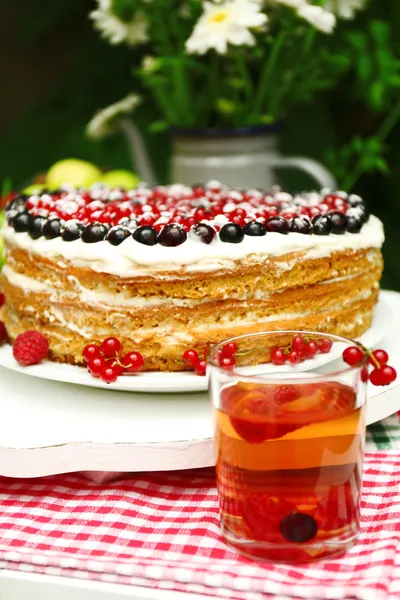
103 361
300 348
226 356
382 374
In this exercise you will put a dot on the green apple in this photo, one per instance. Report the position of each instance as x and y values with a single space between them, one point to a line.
34 188
78 173
121 178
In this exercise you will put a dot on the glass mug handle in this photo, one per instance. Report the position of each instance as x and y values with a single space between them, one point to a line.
321 174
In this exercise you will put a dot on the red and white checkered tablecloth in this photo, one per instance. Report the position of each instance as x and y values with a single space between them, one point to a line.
162 530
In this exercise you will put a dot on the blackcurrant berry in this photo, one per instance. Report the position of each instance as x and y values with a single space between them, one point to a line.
35 228
354 200
277 225
71 231
145 235
254 229
300 225
172 235
52 228
321 225
117 235
94 232
354 224
339 222
298 527
203 232
231 233
21 221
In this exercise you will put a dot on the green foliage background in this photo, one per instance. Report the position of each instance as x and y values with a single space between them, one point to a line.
57 72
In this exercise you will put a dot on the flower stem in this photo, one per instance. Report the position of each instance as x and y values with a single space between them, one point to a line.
384 130
265 78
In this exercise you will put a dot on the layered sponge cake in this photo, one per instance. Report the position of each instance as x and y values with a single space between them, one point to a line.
172 268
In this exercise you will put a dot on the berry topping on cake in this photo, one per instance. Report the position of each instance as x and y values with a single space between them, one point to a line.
232 233
321 225
30 348
277 225
338 221
203 232
71 231
117 235
94 232
254 229
145 235
300 225
35 228
21 222
52 228
166 214
172 235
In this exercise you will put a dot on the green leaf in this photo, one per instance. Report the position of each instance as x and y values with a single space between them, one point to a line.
225 106
124 9
158 126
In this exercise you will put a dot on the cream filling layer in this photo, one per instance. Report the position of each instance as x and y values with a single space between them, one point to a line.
56 317
90 297
132 259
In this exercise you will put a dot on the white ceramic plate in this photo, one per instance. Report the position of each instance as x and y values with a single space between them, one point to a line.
155 382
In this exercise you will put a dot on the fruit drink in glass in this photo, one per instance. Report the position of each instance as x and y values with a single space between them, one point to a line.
289 449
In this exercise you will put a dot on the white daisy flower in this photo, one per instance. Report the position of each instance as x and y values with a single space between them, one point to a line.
346 9
101 124
117 31
321 19
150 63
223 23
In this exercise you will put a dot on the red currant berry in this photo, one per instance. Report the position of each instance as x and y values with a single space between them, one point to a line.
95 365
119 369
108 374
310 349
298 343
3 332
200 367
375 377
325 345
227 362
383 376
381 356
364 374
111 346
278 356
353 356
294 357
133 362
229 349
190 358
2 299
90 351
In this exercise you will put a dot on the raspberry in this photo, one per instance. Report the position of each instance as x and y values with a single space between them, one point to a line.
30 348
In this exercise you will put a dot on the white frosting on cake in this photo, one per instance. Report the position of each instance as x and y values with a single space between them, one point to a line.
131 258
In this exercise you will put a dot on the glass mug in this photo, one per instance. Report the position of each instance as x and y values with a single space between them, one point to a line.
289 447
